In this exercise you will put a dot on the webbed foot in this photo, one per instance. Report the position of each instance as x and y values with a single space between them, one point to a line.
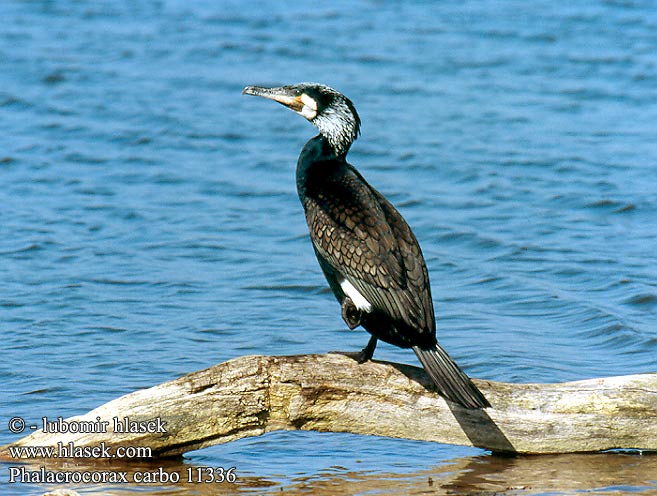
350 313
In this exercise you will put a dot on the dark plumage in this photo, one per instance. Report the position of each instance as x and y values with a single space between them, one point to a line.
365 248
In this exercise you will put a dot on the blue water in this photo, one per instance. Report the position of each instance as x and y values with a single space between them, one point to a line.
149 224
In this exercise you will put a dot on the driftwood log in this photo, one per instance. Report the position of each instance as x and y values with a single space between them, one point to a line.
252 395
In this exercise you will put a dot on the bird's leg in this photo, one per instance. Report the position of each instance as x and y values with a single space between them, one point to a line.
368 352
353 318
350 313
363 355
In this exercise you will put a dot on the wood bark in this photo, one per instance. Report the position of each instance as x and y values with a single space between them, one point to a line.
252 395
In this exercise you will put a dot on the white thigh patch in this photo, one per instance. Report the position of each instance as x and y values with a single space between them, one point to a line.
358 299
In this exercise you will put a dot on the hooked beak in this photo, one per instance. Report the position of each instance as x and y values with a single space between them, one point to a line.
283 95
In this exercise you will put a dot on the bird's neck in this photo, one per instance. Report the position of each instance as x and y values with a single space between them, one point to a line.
340 129
317 157
320 148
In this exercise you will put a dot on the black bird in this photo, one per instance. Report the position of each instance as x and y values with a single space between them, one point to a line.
365 248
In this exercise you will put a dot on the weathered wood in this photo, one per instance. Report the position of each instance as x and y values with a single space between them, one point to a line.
252 395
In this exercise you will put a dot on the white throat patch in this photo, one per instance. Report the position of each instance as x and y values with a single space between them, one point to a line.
309 110
359 300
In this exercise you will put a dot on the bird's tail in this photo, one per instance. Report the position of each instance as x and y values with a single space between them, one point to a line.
451 381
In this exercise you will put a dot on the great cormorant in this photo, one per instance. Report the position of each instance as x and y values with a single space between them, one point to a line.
367 251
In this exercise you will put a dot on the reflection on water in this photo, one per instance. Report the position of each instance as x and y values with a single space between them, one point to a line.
608 473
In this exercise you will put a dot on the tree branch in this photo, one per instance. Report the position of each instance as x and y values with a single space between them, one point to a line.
252 395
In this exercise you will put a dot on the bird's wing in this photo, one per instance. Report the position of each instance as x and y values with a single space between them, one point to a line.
363 237
417 276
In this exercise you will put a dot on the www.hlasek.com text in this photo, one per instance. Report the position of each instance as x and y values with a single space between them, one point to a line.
70 450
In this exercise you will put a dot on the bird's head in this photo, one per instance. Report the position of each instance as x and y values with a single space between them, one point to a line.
328 110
